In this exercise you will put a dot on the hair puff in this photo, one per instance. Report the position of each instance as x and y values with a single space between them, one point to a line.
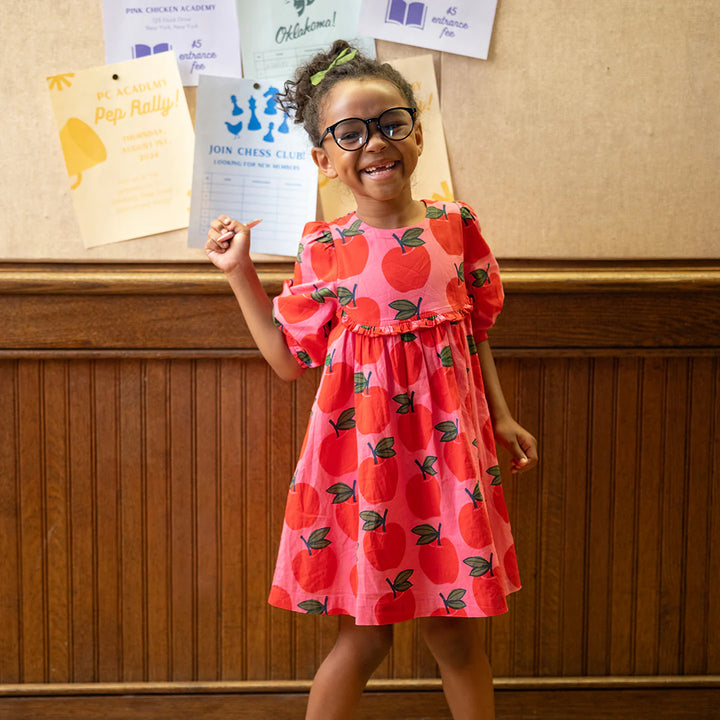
305 100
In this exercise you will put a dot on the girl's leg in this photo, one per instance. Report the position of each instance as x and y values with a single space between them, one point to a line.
464 666
341 678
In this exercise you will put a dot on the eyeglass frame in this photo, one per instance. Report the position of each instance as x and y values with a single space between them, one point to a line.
331 129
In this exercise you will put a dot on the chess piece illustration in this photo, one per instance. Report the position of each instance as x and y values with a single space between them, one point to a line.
237 110
235 129
254 123
271 95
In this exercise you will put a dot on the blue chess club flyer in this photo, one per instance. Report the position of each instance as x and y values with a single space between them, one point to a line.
251 162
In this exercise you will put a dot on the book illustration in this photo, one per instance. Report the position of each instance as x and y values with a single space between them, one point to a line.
410 14
141 50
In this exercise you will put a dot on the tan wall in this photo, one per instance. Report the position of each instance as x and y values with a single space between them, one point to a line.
591 130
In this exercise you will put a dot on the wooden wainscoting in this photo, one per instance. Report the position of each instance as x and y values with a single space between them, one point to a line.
146 450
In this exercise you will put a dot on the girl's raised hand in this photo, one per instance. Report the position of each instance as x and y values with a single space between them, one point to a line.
228 244
519 442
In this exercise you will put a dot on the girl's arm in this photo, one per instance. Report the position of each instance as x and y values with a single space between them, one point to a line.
228 247
510 434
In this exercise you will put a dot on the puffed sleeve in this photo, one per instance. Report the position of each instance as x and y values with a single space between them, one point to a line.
307 307
482 275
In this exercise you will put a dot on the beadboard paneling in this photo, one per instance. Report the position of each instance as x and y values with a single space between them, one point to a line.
140 521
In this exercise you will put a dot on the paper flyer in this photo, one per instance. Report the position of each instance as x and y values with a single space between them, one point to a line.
278 35
203 36
431 179
251 161
127 139
463 27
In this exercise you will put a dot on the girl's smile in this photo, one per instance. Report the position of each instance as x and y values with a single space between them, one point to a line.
379 174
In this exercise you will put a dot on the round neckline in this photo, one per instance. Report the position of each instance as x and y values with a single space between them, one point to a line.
426 203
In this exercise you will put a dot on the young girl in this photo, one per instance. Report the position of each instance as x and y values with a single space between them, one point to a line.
396 509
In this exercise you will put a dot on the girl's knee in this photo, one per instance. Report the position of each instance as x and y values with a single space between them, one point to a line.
369 643
455 640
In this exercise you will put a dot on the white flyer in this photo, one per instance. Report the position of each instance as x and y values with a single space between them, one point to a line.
463 27
251 162
203 36
278 35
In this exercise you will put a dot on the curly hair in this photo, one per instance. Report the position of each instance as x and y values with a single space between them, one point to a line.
305 100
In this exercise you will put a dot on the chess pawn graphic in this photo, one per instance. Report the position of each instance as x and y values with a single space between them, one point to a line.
235 128
237 110
81 147
254 123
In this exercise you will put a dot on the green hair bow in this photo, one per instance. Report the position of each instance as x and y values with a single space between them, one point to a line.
345 56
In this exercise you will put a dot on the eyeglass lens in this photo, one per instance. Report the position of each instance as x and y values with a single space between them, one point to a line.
394 124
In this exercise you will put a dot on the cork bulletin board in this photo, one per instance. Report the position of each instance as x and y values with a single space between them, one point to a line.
592 131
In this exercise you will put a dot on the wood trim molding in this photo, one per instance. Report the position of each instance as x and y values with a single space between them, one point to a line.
303 686
156 311
201 279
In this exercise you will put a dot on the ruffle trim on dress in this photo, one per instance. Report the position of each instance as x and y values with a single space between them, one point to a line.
399 327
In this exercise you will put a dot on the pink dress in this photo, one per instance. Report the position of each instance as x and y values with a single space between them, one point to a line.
396 508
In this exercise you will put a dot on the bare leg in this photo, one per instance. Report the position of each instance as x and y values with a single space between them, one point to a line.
341 678
464 666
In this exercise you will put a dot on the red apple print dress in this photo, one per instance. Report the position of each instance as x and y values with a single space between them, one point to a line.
396 509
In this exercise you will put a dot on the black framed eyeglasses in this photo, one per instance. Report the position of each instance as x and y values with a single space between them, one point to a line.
353 133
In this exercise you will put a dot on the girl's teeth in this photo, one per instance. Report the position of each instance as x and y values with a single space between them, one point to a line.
372 171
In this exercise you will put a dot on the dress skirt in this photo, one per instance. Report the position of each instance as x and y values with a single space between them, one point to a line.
396 507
